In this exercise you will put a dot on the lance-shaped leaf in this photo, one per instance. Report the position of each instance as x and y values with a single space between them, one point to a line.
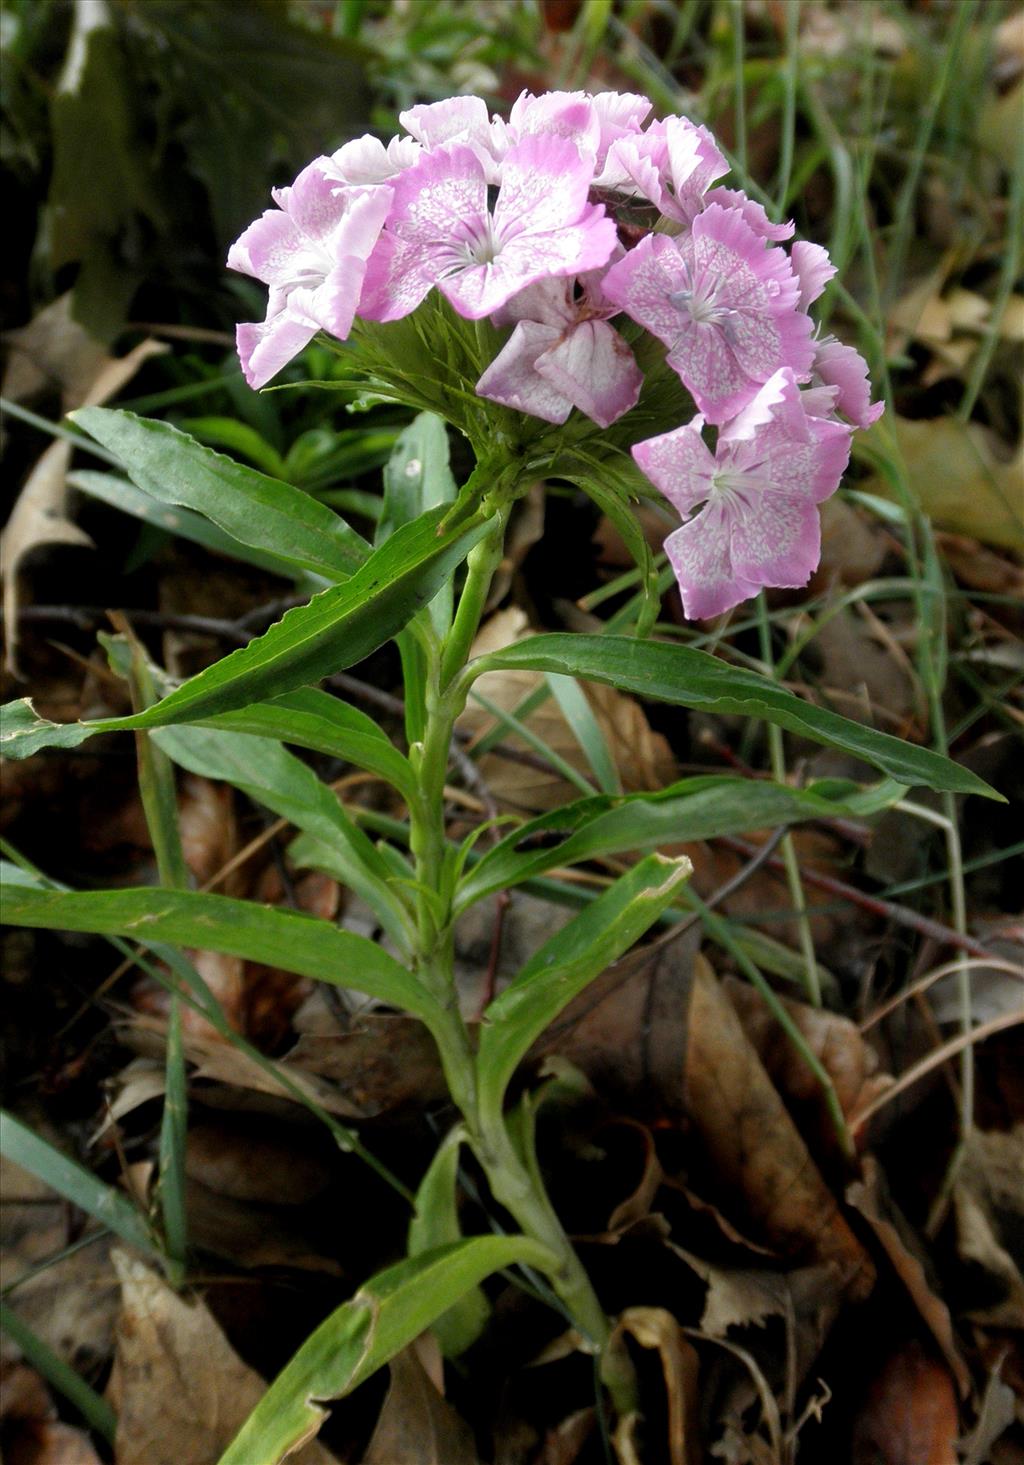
436 1223
255 510
290 940
121 494
565 965
306 717
387 1313
313 719
339 626
694 808
417 477
277 779
689 678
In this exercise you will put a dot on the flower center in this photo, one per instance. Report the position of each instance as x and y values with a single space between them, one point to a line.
700 299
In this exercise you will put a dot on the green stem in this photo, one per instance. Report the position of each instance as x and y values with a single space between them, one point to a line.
514 1182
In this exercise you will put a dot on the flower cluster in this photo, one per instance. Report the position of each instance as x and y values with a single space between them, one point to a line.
517 220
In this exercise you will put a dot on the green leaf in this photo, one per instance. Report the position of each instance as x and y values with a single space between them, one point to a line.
418 477
272 776
586 729
385 1315
123 495
238 438
565 965
93 1408
692 678
101 1201
287 939
339 626
306 717
258 511
435 1223
313 719
695 808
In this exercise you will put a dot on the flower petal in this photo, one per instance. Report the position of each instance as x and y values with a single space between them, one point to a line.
701 558
595 369
266 346
842 367
544 184
813 269
753 213
513 380
776 539
680 464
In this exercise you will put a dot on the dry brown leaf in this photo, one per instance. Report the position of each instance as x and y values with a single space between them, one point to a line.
39 516
70 1304
562 1445
53 350
758 1151
836 1041
653 1327
988 1201
209 833
638 1203
417 1425
959 479
981 568
180 1391
247 1165
642 756
251 1236
382 1062
869 1197
910 1417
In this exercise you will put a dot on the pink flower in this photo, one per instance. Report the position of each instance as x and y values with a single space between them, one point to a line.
592 122
813 270
457 119
366 160
724 303
563 354
673 164
772 465
442 232
845 372
312 251
753 213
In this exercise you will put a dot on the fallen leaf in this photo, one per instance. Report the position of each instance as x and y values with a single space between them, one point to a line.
39 516
638 1203
833 1039
247 1165
654 1328
180 1391
870 1198
71 1303
997 1411
417 1425
758 1152
910 1416
981 568
988 1202
959 480
380 1063
562 1445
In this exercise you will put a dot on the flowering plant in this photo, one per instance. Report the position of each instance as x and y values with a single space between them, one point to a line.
575 293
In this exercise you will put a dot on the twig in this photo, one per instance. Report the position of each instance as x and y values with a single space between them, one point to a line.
923 983
948 1050
888 909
